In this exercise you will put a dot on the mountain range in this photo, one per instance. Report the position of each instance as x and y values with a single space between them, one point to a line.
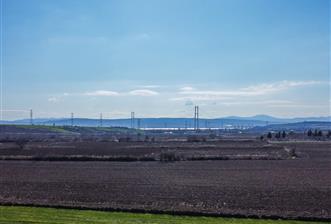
225 122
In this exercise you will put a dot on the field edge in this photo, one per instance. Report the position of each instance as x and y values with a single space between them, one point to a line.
171 213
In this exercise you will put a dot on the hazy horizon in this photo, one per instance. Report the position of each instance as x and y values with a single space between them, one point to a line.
160 58
190 117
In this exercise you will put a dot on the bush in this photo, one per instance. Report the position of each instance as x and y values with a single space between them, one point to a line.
212 135
292 152
196 139
127 139
170 156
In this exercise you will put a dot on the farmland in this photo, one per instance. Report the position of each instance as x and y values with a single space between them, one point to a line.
145 151
214 177
247 188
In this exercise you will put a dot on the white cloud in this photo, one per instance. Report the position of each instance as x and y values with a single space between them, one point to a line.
188 103
199 98
257 102
298 105
277 86
143 92
188 93
187 88
149 86
53 99
15 110
101 93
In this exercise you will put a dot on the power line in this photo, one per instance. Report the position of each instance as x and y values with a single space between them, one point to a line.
196 117
1 64
132 120
72 119
139 123
101 120
31 117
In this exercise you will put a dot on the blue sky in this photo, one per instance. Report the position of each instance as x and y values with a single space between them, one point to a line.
160 58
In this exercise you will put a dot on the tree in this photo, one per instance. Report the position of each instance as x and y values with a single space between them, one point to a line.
269 135
261 137
278 134
328 134
284 134
320 133
309 133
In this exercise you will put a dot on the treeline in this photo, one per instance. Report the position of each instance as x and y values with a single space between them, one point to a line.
310 134
278 135
318 133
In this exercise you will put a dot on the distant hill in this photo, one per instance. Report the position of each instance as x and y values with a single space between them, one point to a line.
299 126
63 133
227 122
271 119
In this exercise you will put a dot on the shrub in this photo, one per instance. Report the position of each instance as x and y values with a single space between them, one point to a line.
169 156
292 152
196 139
127 139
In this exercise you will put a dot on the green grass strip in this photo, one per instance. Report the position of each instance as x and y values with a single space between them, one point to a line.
22 214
